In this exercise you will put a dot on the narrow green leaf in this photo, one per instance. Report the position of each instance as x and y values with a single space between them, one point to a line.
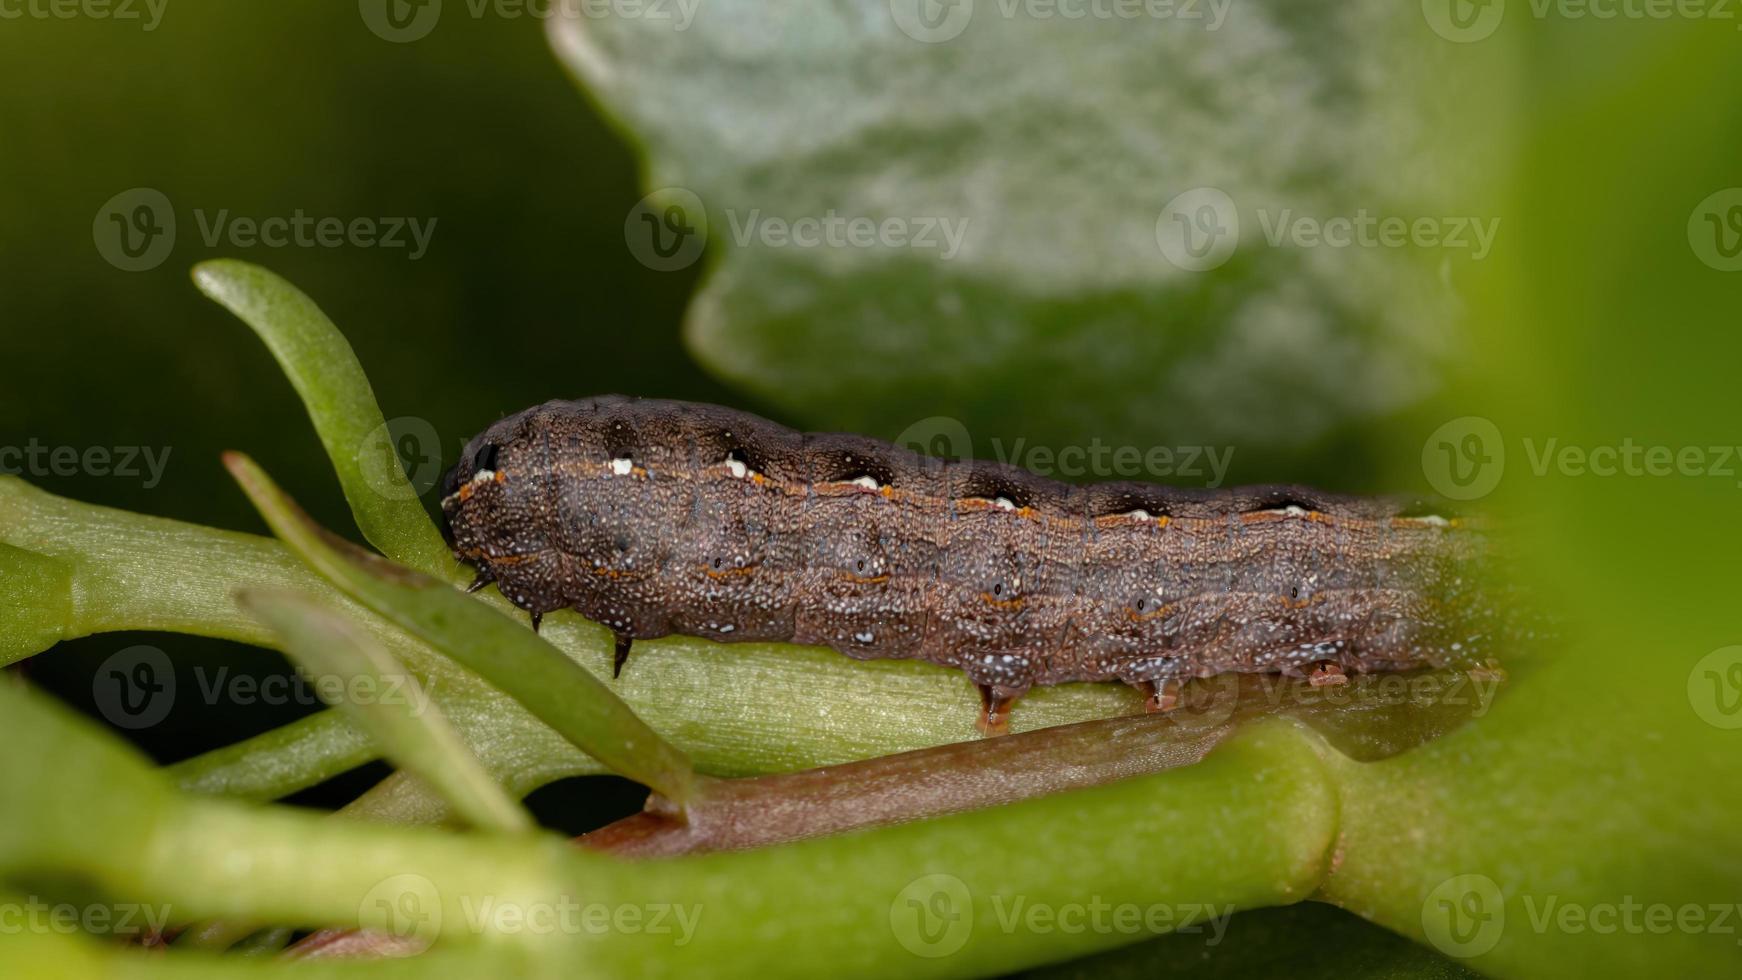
325 372
557 691
277 762
353 672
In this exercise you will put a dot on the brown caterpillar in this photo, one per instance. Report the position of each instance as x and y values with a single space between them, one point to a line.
658 517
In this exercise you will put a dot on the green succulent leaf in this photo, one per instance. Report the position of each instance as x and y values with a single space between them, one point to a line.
982 218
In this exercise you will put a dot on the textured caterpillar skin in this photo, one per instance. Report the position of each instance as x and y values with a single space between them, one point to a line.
659 517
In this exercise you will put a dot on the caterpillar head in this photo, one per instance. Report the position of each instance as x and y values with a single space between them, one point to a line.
482 491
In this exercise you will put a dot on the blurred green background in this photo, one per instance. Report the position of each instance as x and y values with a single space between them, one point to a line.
526 291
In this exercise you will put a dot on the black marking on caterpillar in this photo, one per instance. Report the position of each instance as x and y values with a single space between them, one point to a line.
659 517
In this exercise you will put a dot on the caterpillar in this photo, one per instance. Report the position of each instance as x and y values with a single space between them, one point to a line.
657 517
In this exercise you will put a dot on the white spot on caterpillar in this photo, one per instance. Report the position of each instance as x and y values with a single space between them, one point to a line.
863 637
1292 510
622 465
1003 503
1434 519
483 476
736 468
1138 515
868 482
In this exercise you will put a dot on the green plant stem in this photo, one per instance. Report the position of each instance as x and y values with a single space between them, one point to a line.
1252 825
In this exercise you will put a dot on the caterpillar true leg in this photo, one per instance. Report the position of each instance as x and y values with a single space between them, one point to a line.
1160 695
995 705
624 640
